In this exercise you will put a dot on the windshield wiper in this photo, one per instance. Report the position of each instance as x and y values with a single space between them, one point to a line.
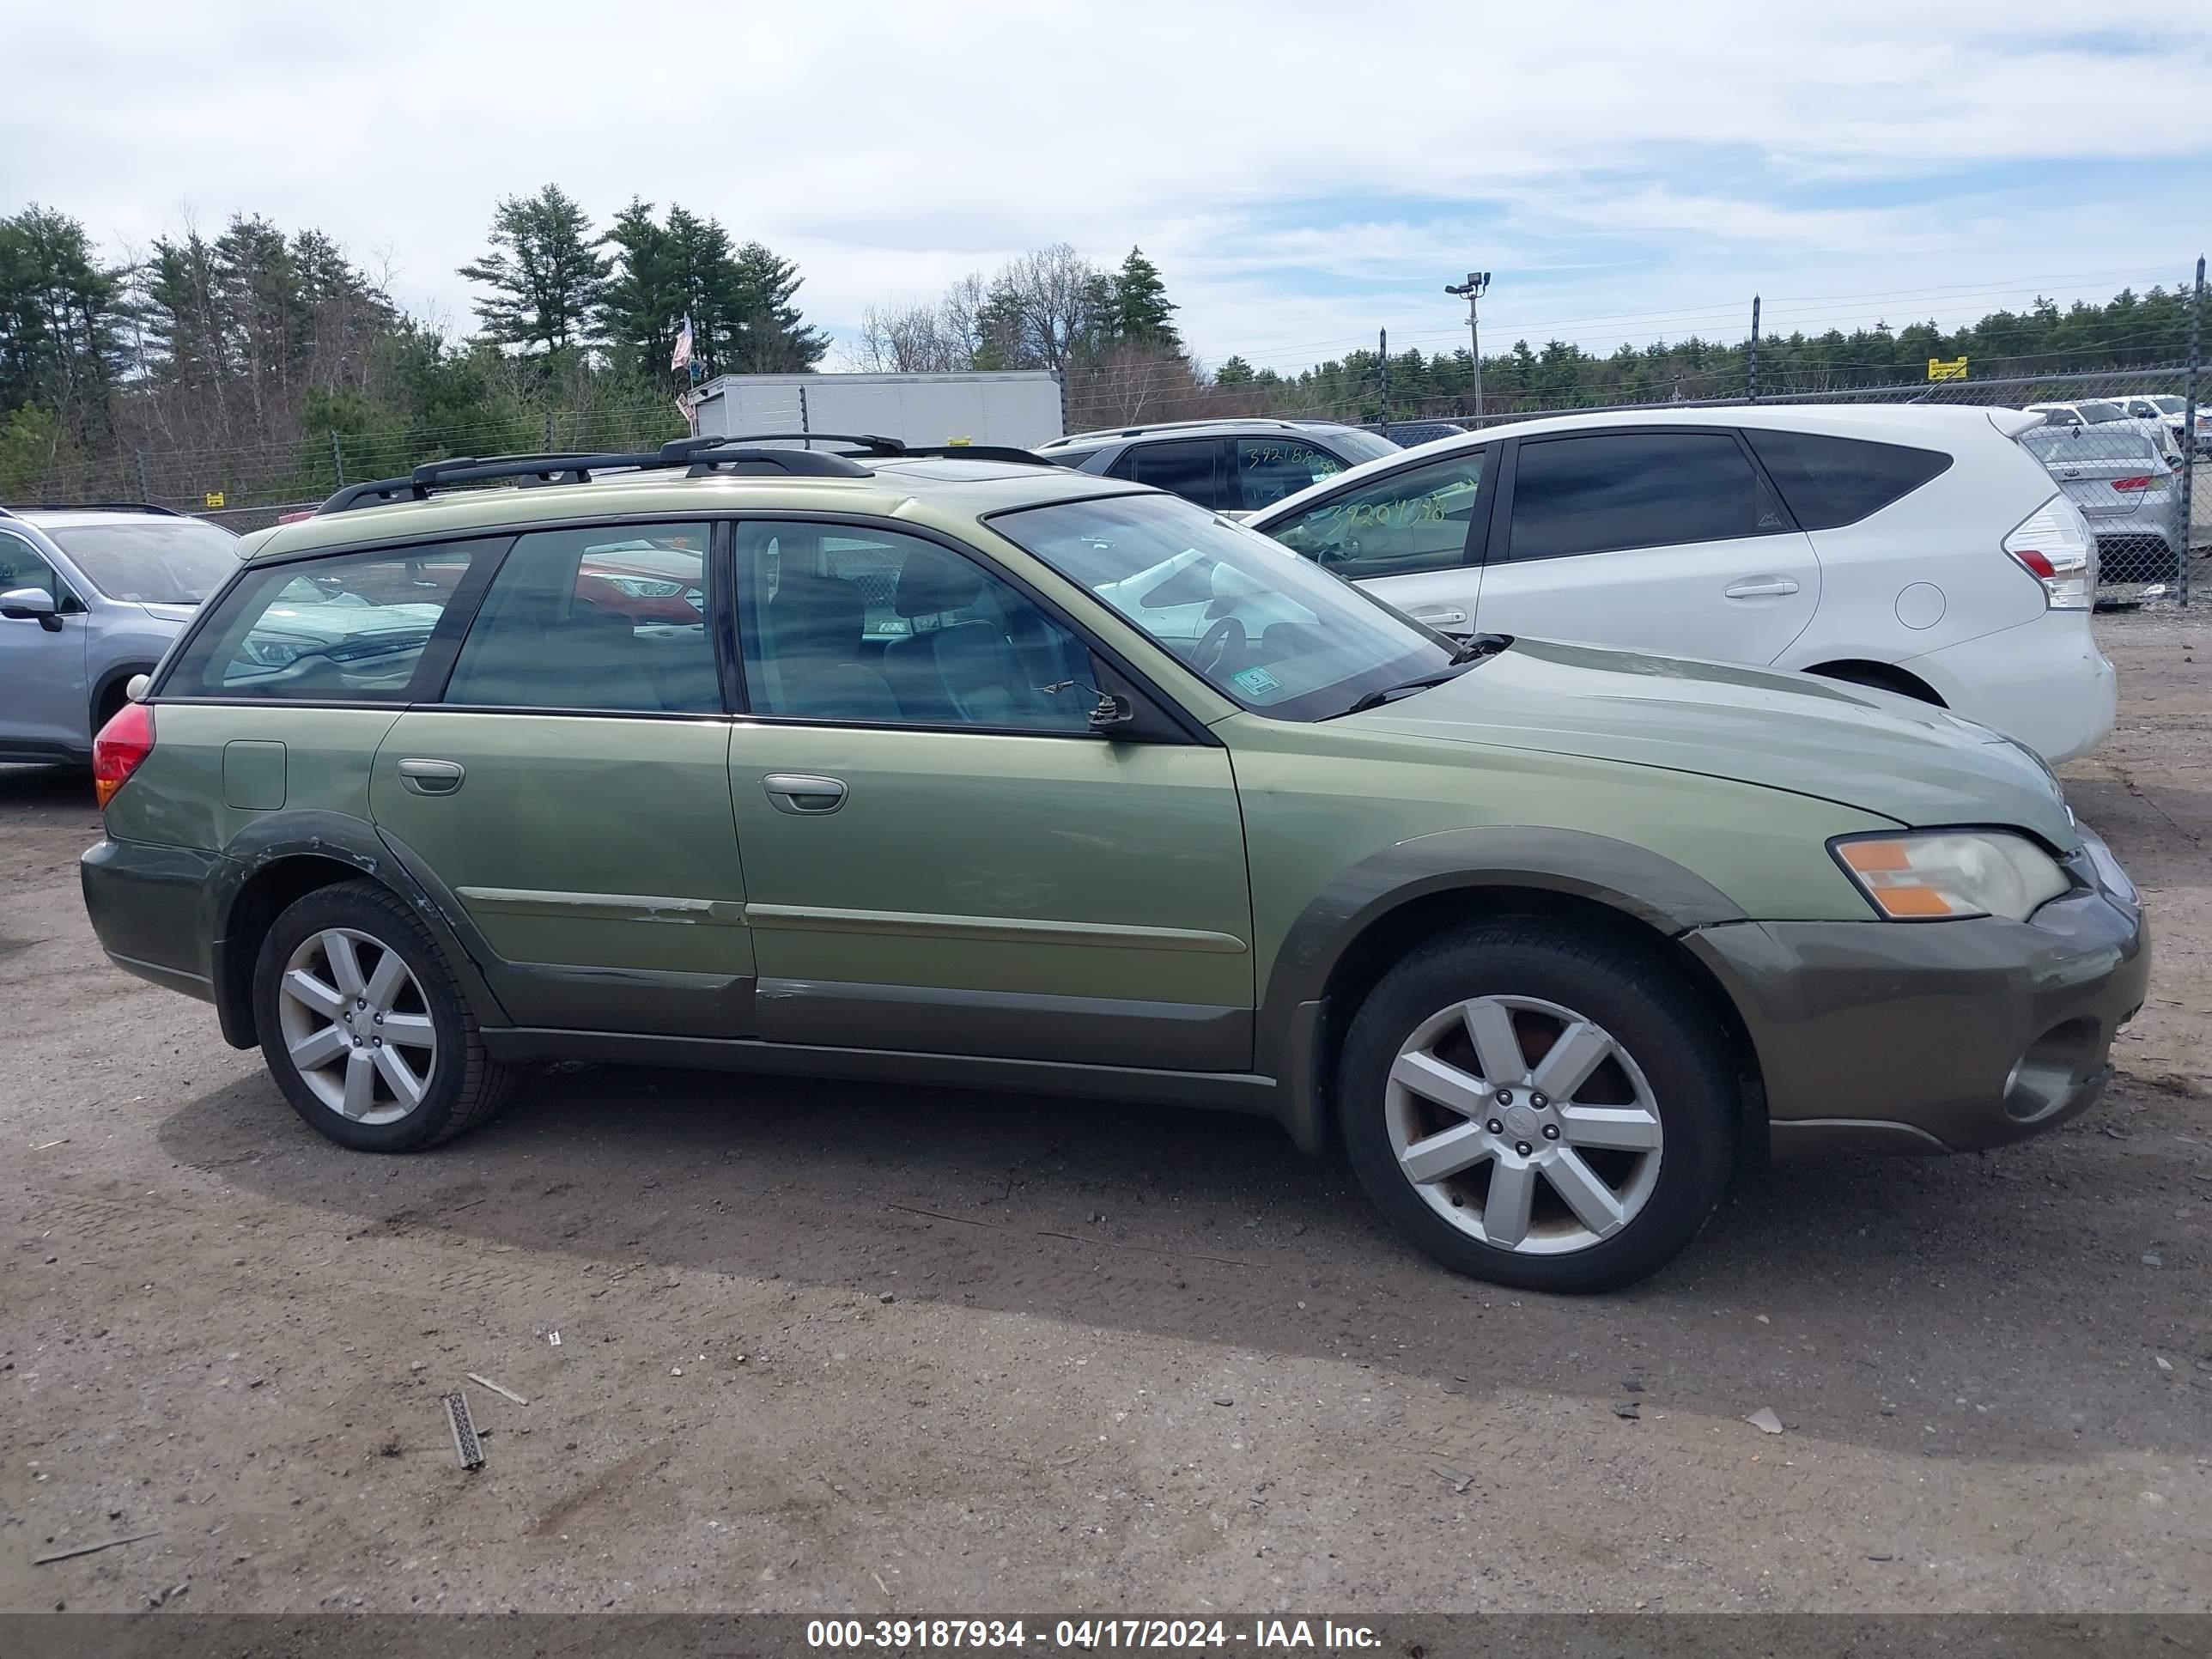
1471 651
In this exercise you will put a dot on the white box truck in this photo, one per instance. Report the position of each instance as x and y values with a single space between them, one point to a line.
1016 407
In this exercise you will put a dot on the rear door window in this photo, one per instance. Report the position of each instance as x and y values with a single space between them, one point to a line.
350 628
1269 469
1185 466
1829 481
1612 491
611 619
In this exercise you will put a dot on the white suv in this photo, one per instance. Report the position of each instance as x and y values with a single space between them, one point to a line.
1914 549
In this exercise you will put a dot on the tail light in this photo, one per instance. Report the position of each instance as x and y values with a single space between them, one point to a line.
123 743
2053 546
2142 482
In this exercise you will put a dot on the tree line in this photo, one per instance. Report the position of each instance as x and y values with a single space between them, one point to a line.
271 362
263 359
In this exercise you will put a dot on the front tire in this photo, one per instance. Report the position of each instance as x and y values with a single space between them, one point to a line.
1539 1105
363 1027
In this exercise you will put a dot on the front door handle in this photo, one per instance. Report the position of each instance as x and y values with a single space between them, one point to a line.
797 792
1438 616
1752 587
431 777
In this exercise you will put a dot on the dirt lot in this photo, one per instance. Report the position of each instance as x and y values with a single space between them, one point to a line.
827 1347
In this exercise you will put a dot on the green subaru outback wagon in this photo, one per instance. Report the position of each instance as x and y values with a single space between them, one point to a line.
964 770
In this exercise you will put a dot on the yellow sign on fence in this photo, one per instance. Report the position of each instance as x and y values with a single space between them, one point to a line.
1940 370
214 497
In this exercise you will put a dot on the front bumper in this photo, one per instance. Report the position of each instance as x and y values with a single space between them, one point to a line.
1886 1036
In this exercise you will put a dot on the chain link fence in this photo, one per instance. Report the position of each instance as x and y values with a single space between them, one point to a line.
2125 446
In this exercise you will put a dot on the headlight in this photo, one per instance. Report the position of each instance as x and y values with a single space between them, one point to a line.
1958 872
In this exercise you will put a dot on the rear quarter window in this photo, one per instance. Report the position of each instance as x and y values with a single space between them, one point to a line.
1830 482
348 628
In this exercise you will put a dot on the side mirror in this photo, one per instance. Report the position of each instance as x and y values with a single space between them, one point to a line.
135 687
30 604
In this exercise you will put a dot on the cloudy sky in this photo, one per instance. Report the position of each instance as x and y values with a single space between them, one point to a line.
1303 175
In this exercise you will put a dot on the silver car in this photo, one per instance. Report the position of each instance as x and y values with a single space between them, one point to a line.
90 596
2120 475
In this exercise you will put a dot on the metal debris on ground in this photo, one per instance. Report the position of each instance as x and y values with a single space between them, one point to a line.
2151 1259
466 1446
487 1381
94 1549
1764 1420
1628 1409
1459 1482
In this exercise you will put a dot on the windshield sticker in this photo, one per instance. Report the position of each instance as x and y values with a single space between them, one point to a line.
1256 682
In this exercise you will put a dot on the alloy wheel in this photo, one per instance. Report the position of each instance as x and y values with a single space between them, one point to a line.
1524 1124
357 1027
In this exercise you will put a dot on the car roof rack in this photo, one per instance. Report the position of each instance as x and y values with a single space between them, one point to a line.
20 507
698 456
877 447
1283 421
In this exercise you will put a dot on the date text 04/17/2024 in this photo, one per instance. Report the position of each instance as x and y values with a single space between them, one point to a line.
1090 1635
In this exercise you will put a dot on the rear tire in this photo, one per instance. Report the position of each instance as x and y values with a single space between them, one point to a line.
364 1026
1592 1190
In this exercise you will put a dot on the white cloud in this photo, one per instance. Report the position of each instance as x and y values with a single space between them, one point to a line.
1302 173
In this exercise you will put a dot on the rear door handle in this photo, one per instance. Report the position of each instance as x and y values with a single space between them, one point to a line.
431 777
803 794
1752 587
1438 616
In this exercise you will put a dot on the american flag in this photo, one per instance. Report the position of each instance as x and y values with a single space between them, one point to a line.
682 356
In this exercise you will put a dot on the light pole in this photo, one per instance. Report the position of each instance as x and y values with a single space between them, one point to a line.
1471 290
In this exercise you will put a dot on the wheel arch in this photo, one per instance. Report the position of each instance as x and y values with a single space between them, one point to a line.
1375 911
278 860
108 691
1880 676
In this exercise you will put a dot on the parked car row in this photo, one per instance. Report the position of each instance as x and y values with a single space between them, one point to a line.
1916 549
981 771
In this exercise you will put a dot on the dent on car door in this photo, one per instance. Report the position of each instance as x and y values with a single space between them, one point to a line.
941 855
1670 541
1414 536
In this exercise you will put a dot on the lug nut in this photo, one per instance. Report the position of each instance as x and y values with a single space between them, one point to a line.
1551 1132
378 1018
1522 1147
361 1002
1495 1127
1537 1102
1506 1096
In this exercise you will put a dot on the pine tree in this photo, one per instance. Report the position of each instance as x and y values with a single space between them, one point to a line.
1233 372
772 337
1142 312
60 322
545 273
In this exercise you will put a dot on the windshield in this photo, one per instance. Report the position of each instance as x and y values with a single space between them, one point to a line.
1258 623
160 561
2097 413
2166 405
1359 445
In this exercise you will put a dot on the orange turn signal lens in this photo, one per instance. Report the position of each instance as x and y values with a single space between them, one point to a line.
1950 873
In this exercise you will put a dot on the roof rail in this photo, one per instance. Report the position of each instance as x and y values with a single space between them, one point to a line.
881 448
698 455
1285 422
92 507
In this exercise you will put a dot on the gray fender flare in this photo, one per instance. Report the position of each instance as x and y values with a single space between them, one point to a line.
344 840
1633 880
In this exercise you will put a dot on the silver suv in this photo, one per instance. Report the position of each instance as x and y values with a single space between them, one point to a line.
1230 466
90 596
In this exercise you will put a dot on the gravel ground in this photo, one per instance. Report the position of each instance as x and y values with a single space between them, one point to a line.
823 1346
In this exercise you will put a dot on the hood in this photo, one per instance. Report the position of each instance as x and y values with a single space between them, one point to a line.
1874 751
